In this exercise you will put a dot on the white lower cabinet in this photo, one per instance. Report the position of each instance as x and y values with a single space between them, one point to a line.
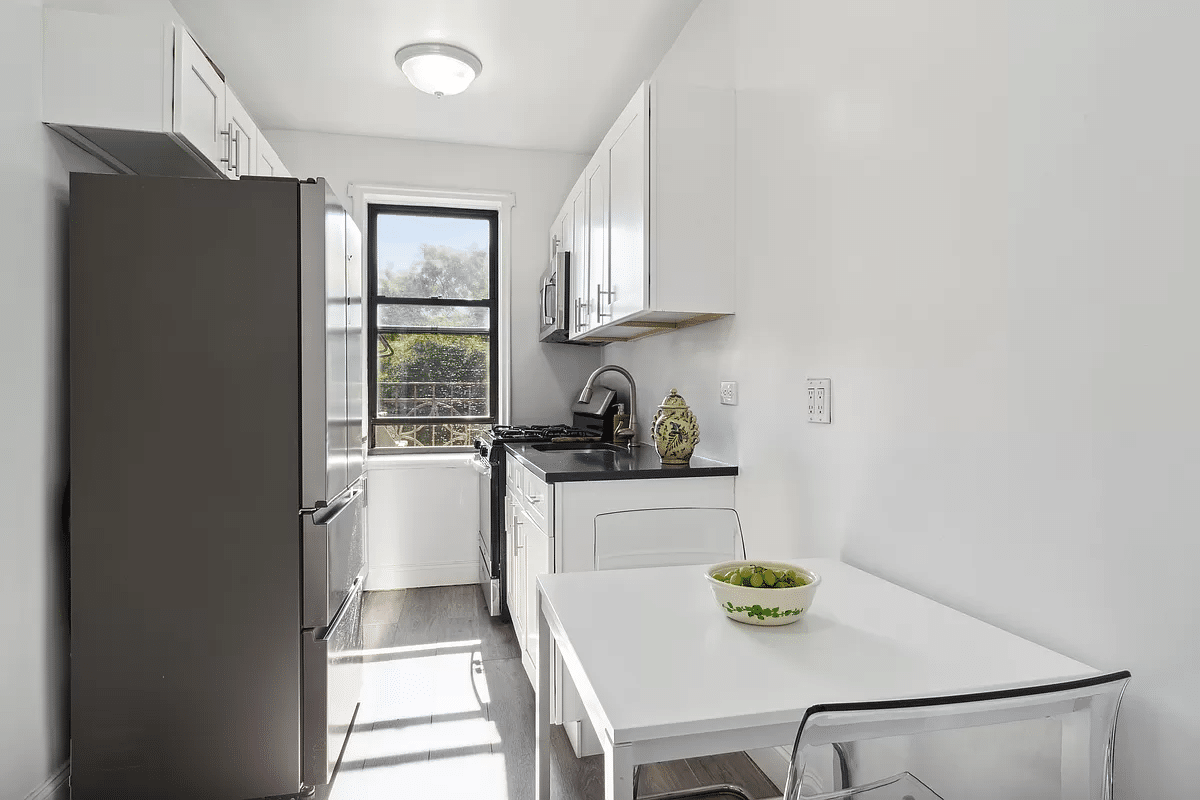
551 528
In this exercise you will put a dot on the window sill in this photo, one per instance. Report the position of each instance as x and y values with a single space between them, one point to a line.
419 460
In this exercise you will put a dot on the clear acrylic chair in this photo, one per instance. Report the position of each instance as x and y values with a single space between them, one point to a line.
670 537
666 537
1033 743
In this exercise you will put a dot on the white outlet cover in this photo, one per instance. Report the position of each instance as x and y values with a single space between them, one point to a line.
820 400
729 393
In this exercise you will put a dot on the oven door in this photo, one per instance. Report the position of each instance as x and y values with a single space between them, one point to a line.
554 299
489 575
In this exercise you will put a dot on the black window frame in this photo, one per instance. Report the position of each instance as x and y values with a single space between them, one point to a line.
492 303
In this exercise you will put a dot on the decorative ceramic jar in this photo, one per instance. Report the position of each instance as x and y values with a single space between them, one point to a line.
675 430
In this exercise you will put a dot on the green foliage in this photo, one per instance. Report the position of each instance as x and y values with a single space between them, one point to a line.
434 357
442 271
434 374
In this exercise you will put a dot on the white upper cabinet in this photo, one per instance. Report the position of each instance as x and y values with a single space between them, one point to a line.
628 154
580 313
143 97
658 195
595 191
200 114
267 162
242 139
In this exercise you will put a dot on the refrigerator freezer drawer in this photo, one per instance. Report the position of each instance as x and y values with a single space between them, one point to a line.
334 555
332 683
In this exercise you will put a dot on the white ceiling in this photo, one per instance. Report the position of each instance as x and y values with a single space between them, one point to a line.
555 72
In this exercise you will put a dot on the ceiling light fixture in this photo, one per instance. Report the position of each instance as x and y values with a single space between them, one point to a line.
438 69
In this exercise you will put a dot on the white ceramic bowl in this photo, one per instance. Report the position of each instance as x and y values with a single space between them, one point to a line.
763 606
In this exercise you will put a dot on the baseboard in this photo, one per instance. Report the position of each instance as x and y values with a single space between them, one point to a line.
774 762
56 787
451 573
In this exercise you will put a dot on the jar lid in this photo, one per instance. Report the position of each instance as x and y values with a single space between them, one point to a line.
673 400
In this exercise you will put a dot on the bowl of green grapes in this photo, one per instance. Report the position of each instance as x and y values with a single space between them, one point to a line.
763 592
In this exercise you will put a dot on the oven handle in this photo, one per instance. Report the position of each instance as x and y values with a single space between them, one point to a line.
547 304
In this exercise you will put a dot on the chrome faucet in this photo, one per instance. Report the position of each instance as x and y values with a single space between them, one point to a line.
629 432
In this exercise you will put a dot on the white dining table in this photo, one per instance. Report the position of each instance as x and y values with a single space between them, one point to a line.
663 674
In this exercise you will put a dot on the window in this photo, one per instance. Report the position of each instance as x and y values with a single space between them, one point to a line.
433 315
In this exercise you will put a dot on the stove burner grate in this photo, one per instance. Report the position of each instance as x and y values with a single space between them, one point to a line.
542 433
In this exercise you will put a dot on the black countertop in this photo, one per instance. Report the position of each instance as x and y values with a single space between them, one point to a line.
589 461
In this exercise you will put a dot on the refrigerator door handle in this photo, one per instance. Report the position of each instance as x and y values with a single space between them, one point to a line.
329 558
327 514
341 612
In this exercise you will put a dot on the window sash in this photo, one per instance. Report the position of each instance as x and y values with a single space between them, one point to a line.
375 330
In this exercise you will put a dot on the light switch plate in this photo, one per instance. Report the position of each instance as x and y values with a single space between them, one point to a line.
820 400
729 393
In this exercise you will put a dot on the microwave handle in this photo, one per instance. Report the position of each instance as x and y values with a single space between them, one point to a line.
547 303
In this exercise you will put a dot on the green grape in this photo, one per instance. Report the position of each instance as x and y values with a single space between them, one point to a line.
756 580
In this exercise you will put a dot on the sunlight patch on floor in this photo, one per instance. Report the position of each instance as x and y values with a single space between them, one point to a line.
431 684
422 728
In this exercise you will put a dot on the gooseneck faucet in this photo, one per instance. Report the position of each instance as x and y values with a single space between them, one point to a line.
629 432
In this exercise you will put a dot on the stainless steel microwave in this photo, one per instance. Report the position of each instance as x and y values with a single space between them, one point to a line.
554 300
555 291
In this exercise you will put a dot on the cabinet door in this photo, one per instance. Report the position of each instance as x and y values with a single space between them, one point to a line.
628 209
537 562
199 113
520 536
516 581
581 308
567 228
243 138
268 163
596 179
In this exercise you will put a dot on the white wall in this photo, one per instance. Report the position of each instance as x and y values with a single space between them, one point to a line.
544 377
424 520
33 571
978 219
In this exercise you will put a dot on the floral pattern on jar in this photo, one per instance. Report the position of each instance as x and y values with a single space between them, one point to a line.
675 430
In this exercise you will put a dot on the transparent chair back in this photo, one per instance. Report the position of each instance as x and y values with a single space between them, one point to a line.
666 537
670 537
1049 742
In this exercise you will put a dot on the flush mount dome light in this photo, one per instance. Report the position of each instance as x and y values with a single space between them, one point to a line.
438 69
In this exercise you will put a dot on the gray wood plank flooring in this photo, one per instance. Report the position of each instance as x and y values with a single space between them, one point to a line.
448 712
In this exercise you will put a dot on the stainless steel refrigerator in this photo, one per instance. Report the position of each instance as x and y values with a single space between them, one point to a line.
216 485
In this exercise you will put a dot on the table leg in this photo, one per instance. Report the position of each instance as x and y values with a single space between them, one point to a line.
618 770
545 670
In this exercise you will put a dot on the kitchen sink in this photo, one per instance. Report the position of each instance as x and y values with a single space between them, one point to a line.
581 447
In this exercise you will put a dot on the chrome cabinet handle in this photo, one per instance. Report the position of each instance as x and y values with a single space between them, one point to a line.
228 134
535 498
578 313
600 314
237 165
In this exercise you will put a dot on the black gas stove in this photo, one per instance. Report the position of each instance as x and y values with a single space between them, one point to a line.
539 433
489 463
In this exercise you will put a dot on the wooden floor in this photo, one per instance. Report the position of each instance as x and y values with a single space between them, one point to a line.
447 712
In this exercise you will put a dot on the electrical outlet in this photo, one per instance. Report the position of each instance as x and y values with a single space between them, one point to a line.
820 400
729 393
